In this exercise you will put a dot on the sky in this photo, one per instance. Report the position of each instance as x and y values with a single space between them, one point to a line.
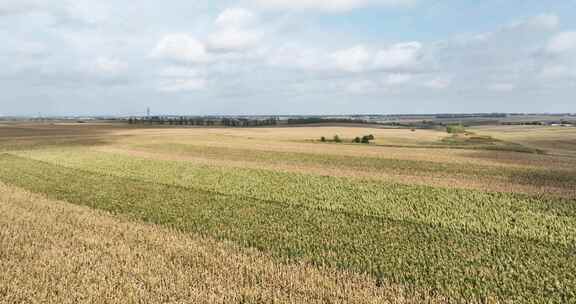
274 57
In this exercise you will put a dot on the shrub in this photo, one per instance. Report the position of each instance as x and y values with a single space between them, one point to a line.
455 129
367 138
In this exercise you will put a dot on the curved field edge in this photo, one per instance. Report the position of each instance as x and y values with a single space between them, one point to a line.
531 180
546 219
399 177
464 266
56 252
526 176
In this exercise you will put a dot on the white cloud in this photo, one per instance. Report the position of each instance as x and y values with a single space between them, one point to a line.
562 42
106 71
235 17
109 66
559 60
548 22
23 48
51 13
555 71
438 83
398 79
232 39
16 7
360 87
355 59
294 56
516 54
181 48
525 31
178 72
91 12
224 49
235 51
330 5
399 56
502 87
181 79
182 85
236 31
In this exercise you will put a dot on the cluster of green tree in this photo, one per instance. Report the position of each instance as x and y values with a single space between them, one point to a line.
364 139
335 139
191 121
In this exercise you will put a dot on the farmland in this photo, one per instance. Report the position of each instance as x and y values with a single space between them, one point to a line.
251 215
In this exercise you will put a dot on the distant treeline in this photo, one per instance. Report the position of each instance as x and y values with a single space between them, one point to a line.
312 120
472 115
523 123
537 123
192 121
273 121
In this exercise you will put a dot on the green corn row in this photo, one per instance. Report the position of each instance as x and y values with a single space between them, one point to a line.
506 214
462 264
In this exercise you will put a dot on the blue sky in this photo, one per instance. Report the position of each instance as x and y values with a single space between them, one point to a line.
433 20
204 57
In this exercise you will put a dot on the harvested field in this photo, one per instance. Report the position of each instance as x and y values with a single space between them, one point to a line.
556 140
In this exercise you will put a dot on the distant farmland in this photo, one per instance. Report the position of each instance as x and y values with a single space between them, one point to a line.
115 213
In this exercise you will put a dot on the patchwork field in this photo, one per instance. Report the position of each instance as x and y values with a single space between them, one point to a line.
108 213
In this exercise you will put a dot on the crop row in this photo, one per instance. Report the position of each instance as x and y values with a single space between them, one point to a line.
102 259
524 176
466 266
545 219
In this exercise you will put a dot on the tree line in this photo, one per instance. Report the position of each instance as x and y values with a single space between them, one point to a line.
195 121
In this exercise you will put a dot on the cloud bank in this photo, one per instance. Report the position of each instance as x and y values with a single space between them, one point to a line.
260 56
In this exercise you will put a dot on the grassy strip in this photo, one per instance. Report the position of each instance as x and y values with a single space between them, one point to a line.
463 265
551 220
523 176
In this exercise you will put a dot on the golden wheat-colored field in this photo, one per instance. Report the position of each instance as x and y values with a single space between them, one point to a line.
108 213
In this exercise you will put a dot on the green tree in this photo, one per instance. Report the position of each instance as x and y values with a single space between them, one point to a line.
367 138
